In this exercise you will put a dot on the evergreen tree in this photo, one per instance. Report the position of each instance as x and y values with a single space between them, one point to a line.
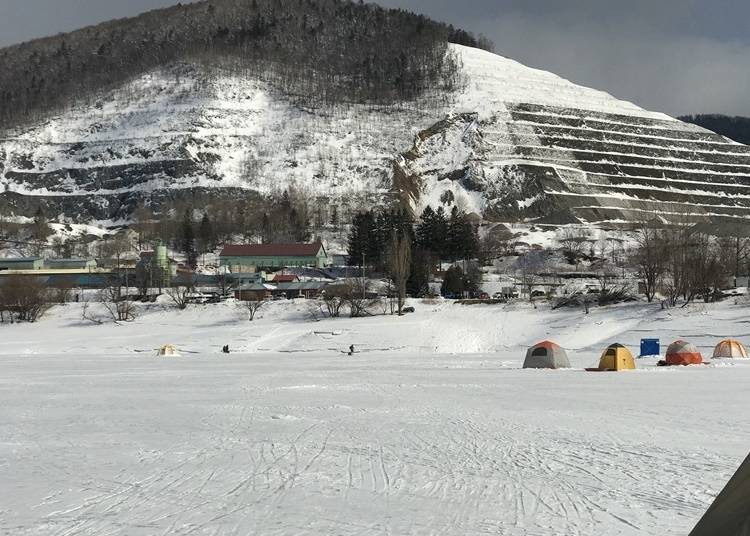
453 245
187 239
419 277
41 229
470 234
384 226
441 232
206 234
462 238
431 231
362 239
286 201
453 282
265 229
388 222
299 228
335 216
425 229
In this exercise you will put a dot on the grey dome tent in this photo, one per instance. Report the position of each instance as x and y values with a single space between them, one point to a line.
729 515
546 355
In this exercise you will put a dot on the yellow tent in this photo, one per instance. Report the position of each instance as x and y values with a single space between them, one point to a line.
616 358
168 351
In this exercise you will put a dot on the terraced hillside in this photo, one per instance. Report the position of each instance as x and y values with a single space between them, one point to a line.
531 146
613 168
511 143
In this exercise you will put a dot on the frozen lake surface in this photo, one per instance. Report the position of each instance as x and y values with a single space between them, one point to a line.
431 429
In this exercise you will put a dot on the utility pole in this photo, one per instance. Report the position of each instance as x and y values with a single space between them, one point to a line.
364 286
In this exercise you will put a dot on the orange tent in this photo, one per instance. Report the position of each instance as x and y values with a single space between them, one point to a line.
730 349
683 353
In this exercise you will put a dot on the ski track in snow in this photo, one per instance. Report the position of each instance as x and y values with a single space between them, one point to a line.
442 434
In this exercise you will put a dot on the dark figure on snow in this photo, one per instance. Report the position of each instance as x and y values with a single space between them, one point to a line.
225 349
351 350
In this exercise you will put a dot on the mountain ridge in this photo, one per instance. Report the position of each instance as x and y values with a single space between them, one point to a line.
504 141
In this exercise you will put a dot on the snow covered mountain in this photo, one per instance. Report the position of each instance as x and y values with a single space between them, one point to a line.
512 142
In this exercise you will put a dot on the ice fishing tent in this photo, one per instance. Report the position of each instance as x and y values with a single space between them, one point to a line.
615 358
546 355
730 349
683 353
168 351
729 515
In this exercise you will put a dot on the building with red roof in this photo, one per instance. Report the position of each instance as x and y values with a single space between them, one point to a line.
285 278
249 257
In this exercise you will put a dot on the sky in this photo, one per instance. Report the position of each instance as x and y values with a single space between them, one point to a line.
674 56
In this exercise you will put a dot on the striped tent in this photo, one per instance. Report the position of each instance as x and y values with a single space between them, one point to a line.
547 355
730 349
683 353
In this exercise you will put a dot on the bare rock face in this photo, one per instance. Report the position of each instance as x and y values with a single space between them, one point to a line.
512 144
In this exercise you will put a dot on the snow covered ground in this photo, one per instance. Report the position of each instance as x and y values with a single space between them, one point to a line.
432 428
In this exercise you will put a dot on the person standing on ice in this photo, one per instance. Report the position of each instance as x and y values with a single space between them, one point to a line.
351 350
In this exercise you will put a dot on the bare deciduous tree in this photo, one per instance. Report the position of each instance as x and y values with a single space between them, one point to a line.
399 266
253 306
118 307
225 283
63 292
357 298
22 299
334 299
353 294
574 239
528 269
651 258
179 294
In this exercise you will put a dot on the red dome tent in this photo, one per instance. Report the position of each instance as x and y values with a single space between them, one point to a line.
683 353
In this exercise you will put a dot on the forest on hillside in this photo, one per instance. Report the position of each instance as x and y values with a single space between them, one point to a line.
324 50
735 128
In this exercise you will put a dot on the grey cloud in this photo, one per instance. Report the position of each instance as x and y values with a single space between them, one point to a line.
676 56
667 72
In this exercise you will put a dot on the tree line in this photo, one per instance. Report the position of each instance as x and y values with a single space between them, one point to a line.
193 231
736 128
683 263
391 242
322 50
